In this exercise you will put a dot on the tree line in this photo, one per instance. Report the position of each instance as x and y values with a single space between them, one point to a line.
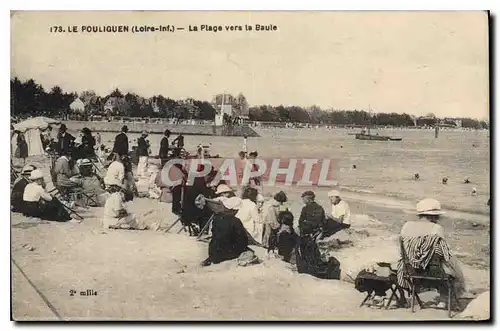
30 99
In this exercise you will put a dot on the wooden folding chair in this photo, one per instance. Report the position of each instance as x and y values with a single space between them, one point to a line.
433 276
204 232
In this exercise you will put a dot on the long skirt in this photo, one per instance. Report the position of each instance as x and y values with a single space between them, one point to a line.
49 210
142 166
177 200
128 222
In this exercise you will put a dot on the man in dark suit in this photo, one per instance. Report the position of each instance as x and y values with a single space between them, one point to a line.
180 145
121 142
312 217
164 148
65 140
143 153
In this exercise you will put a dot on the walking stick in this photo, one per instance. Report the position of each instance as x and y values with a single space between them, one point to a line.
70 211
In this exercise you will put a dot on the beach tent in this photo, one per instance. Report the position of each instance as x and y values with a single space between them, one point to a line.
77 105
32 129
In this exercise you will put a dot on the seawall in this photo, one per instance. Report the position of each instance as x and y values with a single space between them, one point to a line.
186 129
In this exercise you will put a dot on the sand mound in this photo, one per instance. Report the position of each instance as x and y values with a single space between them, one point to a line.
479 308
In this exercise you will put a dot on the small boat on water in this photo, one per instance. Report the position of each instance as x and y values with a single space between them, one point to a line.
364 136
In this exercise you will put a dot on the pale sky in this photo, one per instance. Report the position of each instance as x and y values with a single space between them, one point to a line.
414 62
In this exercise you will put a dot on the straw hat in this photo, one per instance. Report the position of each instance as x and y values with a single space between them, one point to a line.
333 193
223 188
429 207
27 169
233 203
36 174
144 133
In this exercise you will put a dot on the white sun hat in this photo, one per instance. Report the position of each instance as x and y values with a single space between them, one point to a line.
429 207
333 193
233 203
36 174
223 188
27 169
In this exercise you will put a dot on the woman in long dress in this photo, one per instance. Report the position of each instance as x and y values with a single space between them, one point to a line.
22 147
271 224
424 242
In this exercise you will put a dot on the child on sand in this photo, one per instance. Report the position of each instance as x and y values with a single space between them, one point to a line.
287 238
116 215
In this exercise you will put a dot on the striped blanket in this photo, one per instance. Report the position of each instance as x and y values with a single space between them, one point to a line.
419 252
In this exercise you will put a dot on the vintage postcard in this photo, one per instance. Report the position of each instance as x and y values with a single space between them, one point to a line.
250 166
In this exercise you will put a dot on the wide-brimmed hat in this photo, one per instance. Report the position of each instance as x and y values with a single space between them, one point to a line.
36 174
429 207
27 169
333 193
233 203
223 188
144 133
83 162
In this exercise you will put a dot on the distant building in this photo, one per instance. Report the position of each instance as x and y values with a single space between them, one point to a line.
77 105
113 105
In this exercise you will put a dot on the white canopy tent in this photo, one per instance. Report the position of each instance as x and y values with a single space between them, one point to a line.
31 129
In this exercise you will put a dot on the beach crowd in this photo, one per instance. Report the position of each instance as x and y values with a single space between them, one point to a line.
234 219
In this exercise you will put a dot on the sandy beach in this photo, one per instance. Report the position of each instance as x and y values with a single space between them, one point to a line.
156 276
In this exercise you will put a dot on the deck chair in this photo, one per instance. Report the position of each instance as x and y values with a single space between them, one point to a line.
433 276
63 193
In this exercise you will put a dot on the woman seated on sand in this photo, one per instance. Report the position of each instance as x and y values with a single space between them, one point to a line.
340 217
115 172
229 237
308 257
38 203
116 215
120 171
17 193
248 213
271 223
224 192
287 238
66 174
192 217
425 245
